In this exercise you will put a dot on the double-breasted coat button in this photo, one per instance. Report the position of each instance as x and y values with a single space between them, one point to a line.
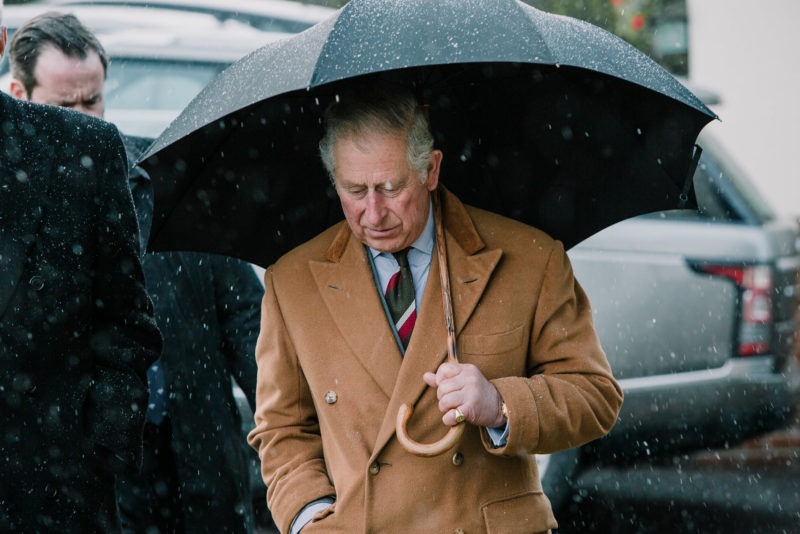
36 282
374 468
331 397
458 459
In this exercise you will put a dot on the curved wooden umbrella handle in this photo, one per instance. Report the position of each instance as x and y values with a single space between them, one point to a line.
424 449
405 411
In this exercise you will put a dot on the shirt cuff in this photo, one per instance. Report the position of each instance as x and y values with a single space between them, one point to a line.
307 513
498 435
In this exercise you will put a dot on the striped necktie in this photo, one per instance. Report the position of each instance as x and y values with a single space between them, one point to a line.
400 298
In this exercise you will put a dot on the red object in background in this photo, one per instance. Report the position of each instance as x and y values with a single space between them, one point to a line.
617 2
637 22
754 284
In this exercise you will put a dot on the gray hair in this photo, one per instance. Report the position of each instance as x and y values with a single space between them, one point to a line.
384 111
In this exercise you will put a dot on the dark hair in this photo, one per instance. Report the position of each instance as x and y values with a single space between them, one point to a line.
63 32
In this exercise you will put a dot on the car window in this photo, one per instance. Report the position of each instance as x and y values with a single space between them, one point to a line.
157 85
724 193
729 186
713 203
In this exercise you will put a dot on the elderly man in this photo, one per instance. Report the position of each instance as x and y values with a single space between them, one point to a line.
76 327
195 473
345 341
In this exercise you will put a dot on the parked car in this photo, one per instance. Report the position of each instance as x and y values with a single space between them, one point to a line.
105 19
695 310
154 74
265 15
158 63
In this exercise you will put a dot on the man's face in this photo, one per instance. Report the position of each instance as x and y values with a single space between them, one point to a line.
385 203
69 82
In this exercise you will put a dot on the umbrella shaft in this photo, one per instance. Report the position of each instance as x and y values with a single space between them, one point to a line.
441 253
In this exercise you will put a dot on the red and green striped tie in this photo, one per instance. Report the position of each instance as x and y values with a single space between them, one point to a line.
400 298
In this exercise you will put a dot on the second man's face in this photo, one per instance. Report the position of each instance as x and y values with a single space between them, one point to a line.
385 203
69 82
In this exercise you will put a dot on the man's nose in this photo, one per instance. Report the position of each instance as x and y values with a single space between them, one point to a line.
375 208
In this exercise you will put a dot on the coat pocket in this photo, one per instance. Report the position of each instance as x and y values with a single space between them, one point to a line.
491 343
527 513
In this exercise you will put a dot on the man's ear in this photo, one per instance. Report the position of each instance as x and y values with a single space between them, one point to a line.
434 165
17 90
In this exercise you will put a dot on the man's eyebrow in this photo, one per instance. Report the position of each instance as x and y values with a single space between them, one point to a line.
74 102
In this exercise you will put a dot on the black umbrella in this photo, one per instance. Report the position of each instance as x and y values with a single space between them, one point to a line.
544 118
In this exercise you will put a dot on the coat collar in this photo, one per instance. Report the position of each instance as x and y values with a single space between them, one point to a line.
345 278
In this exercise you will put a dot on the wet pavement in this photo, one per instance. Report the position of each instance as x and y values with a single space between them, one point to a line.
752 487
648 498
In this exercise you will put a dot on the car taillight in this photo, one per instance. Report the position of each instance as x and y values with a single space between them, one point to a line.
754 283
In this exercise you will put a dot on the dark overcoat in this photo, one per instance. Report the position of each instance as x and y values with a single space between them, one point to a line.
208 309
76 326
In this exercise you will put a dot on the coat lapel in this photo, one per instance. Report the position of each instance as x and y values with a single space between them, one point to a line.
345 283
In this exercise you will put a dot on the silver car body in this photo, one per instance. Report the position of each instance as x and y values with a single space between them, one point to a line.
673 328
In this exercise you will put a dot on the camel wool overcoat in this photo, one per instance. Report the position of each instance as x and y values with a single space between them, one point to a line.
331 379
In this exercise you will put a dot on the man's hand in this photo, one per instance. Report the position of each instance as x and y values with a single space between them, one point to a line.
463 386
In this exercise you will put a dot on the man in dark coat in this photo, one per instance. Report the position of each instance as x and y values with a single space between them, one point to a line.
76 327
208 309
195 474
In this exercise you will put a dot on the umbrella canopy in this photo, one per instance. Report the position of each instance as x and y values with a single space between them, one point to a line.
543 118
